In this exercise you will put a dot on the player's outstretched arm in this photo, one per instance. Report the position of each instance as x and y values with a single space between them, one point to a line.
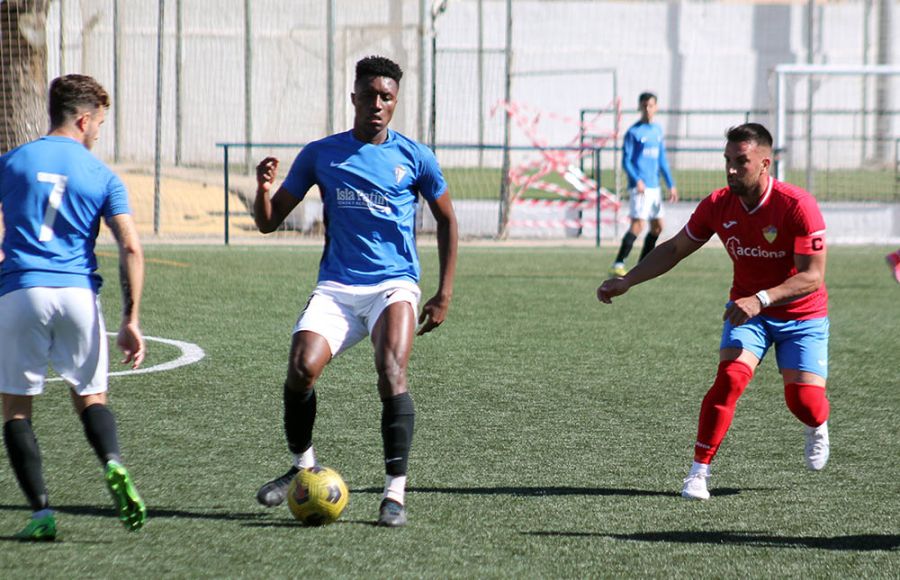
434 312
269 212
131 279
663 258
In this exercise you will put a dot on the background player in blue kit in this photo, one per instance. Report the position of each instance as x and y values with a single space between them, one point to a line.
54 193
643 158
370 178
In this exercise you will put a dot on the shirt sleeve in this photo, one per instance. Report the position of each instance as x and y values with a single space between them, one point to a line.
698 226
117 198
430 182
302 174
809 226
628 157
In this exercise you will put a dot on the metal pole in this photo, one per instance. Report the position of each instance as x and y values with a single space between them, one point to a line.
780 158
432 133
225 169
617 125
598 176
117 117
248 88
507 95
329 67
62 37
866 53
178 79
159 75
480 83
421 113
883 84
810 87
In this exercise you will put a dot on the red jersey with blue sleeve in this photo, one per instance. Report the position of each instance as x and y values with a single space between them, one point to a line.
369 194
763 241
54 192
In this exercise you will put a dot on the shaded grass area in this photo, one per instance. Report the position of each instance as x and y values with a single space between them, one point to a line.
552 432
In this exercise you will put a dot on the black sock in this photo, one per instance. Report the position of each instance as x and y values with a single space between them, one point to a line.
625 248
25 458
397 419
649 244
100 429
299 417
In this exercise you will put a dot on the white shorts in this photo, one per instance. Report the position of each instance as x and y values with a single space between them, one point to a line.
344 315
60 326
647 205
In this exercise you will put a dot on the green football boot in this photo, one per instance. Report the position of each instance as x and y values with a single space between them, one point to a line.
129 505
39 530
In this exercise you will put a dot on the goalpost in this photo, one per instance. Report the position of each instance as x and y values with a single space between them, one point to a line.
843 103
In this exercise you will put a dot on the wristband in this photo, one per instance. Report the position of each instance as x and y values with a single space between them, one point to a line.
763 298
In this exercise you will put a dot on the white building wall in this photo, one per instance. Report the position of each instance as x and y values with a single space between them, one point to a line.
693 54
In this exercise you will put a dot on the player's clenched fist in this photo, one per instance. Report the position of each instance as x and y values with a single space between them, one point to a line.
610 288
265 172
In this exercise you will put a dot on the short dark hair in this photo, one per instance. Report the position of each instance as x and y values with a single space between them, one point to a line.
750 133
70 92
378 66
646 96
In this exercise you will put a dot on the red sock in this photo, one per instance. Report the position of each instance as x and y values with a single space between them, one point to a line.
807 402
718 406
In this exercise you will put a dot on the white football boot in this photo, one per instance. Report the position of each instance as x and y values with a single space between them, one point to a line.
817 446
695 483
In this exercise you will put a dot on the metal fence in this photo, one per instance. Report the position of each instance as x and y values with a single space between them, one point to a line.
488 76
548 192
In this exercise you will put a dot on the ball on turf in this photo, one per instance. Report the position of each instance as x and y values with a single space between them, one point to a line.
318 496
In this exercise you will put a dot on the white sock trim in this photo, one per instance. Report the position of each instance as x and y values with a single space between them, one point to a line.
395 488
305 459
699 468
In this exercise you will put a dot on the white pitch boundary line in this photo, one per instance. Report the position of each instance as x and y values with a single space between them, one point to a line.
190 353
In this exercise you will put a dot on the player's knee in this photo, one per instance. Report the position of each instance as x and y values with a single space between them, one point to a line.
731 380
807 402
302 374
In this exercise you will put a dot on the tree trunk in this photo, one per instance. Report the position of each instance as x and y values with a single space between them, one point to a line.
23 71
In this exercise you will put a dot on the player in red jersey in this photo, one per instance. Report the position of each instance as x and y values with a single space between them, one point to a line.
775 236
893 262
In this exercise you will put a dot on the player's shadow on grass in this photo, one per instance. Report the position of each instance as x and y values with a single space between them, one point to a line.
153 512
856 543
539 491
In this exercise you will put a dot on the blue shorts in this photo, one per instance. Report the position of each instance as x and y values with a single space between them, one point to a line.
799 344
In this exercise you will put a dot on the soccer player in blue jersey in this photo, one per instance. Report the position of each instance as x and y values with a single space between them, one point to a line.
644 158
54 192
370 179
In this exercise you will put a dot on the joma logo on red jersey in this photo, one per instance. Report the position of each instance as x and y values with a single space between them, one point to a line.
738 251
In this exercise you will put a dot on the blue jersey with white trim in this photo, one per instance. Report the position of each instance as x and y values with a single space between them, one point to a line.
53 192
369 193
644 155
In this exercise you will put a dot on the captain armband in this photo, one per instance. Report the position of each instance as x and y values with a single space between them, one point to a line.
814 243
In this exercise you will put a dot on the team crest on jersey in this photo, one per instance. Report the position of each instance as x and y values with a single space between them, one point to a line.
399 172
770 233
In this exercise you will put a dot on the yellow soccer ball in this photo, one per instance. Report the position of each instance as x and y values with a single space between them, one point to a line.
318 496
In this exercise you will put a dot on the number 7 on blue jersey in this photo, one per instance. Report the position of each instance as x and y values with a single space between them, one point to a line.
56 194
